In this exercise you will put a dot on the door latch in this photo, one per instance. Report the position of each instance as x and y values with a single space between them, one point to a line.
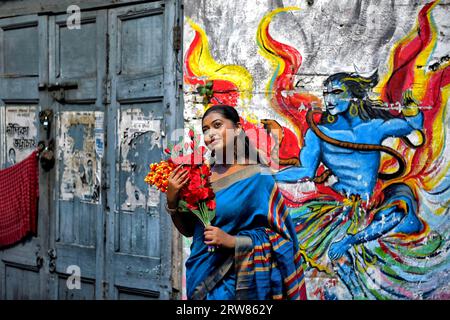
47 155
57 89
46 118
52 263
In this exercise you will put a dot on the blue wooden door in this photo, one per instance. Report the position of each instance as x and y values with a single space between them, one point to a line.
22 267
143 77
76 90
113 86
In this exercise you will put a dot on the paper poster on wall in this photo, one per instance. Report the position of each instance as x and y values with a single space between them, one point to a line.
21 132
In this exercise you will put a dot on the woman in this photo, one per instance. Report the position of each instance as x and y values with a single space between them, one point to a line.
256 255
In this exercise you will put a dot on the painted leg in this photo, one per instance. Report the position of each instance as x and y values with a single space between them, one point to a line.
346 273
395 217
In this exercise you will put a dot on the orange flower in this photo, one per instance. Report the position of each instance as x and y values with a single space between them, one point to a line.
159 174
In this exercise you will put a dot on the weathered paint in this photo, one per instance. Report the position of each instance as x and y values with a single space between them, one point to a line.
139 133
122 58
289 48
77 157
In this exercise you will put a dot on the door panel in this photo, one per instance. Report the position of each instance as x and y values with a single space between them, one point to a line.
86 291
21 272
20 48
138 232
22 282
76 87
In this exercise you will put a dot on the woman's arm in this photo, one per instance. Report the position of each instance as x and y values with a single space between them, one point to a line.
309 160
184 222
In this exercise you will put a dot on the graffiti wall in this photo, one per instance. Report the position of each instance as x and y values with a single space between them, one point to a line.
359 92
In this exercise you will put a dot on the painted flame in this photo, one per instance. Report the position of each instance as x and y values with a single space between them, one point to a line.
200 66
280 90
408 61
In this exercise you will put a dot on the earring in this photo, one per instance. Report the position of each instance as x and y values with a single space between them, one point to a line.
353 110
331 118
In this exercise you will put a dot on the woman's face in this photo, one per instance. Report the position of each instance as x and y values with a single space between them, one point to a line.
218 131
337 97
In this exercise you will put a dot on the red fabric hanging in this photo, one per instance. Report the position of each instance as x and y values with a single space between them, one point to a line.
19 192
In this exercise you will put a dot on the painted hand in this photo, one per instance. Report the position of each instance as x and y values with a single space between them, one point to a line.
215 236
410 103
339 248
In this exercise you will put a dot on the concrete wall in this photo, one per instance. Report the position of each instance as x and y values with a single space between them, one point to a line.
330 37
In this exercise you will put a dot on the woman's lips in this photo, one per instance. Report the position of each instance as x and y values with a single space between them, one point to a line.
214 141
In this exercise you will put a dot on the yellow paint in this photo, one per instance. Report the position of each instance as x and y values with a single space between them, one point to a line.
203 64
275 61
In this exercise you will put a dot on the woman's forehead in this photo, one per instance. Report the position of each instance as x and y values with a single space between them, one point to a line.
213 116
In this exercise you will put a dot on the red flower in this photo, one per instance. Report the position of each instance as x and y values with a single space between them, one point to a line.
204 170
211 204
197 195
192 206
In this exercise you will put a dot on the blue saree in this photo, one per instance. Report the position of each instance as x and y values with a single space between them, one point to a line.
266 262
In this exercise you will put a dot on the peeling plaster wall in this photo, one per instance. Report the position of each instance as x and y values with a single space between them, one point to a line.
331 36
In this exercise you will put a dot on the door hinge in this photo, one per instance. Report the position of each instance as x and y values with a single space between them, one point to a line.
177 38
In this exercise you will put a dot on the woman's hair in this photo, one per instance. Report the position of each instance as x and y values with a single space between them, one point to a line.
230 113
359 88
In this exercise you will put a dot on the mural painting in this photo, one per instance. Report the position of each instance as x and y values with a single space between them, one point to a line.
363 165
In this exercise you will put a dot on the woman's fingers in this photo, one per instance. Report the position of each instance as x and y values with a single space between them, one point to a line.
183 182
174 172
177 171
180 181
180 174
209 235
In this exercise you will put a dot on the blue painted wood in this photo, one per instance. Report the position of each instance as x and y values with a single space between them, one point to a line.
123 62
139 234
21 275
79 56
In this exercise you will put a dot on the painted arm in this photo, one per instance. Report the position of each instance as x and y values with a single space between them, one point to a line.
402 127
309 160
413 119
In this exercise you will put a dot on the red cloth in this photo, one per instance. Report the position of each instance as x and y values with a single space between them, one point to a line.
19 192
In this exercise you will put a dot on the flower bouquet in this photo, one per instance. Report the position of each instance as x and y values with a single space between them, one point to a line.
197 196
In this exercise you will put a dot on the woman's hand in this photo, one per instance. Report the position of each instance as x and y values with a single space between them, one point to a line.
215 236
177 179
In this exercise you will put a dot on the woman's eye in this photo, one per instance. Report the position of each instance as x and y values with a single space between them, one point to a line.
337 91
217 125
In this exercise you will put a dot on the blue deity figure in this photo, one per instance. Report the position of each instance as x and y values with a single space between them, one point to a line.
348 142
